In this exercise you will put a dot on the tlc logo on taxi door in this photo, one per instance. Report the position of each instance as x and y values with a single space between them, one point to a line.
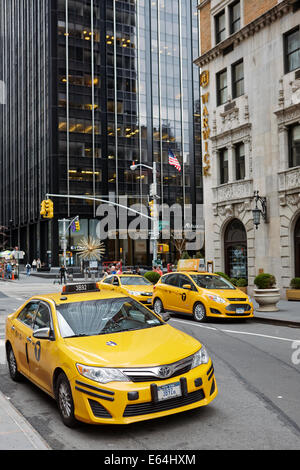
204 82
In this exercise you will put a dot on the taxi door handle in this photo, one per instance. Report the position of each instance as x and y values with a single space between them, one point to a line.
12 328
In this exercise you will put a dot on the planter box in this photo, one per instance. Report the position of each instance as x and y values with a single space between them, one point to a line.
243 289
267 299
293 294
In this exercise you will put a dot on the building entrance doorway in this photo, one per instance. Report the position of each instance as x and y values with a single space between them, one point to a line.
235 248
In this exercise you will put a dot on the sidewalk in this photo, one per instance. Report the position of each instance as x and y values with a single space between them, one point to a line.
289 313
15 432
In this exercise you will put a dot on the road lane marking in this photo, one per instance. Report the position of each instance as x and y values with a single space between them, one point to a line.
236 332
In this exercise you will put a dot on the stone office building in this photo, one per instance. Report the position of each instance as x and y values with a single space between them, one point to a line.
250 76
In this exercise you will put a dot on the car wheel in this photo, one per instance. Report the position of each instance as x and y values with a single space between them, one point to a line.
65 402
158 307
12 365
199 312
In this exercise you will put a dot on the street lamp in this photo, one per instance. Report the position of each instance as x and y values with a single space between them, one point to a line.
154 218
256 212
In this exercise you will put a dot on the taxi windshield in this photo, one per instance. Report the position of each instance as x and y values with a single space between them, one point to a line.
134 281
99 317
211 282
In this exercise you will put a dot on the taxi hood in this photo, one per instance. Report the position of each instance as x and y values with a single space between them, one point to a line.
148 347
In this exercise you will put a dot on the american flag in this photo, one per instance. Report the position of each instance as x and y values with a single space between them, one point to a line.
174 161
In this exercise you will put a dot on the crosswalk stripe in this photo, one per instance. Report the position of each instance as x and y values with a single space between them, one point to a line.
2 352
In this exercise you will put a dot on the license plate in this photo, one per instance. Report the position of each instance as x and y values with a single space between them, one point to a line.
240 310
165 392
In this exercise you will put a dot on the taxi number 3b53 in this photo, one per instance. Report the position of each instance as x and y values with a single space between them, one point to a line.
169 391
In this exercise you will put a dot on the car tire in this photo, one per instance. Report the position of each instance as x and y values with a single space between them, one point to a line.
12 365
65 401
199 312
158 307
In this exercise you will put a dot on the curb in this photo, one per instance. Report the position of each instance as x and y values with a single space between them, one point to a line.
20 434
277 321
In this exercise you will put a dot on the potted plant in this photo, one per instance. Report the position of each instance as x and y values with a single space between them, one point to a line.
294 292
152 276
266 294
242 284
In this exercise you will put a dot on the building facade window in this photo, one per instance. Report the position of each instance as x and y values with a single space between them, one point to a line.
220 26
294 146
221 87
237 79
235 249
292 50
234 17
240 161
223 165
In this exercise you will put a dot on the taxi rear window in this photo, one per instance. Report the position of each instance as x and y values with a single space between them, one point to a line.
105 316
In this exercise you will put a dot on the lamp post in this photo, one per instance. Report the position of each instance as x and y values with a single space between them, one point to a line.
154 218
256 212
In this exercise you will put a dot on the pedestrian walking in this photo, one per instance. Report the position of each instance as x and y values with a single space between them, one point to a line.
8 270
38 263
34 264
28 269
62 273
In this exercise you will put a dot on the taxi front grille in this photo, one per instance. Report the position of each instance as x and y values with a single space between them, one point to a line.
153 378
151 407
237 299
234 307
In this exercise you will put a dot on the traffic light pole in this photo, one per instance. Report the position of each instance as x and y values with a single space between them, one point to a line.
64 239
155 228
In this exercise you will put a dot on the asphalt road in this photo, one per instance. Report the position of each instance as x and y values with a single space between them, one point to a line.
257 406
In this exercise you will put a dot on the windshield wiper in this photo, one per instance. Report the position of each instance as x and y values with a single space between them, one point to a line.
77 336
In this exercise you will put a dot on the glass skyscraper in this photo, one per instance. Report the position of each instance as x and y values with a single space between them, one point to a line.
94 85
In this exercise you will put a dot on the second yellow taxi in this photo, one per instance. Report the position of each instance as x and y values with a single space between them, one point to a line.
202 295
134 285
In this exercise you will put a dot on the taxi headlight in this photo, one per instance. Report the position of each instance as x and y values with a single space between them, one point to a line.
101 374
201 357
134 292
217 298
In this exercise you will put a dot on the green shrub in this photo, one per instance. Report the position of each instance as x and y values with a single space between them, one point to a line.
152 276
295 283
265 281
233 281
224 275
242 282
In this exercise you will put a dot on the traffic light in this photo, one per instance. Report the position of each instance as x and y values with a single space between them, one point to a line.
43 210
47 209
151 206
77 225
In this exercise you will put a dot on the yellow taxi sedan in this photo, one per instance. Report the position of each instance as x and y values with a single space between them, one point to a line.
201 295
134 285
105 358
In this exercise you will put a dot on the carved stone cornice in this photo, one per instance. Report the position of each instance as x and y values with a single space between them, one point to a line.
288 183
233 192
250 29
230 135
287 115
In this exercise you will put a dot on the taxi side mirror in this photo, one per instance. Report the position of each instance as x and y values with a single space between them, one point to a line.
115 283
187 286
42 333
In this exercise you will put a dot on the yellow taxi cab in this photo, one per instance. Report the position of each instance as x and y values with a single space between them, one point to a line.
201 294
105 358
134 285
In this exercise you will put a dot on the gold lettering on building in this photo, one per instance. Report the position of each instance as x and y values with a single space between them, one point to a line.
204 82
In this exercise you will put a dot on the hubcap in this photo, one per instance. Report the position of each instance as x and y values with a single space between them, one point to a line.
65 400
199 312
158 307
12 362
